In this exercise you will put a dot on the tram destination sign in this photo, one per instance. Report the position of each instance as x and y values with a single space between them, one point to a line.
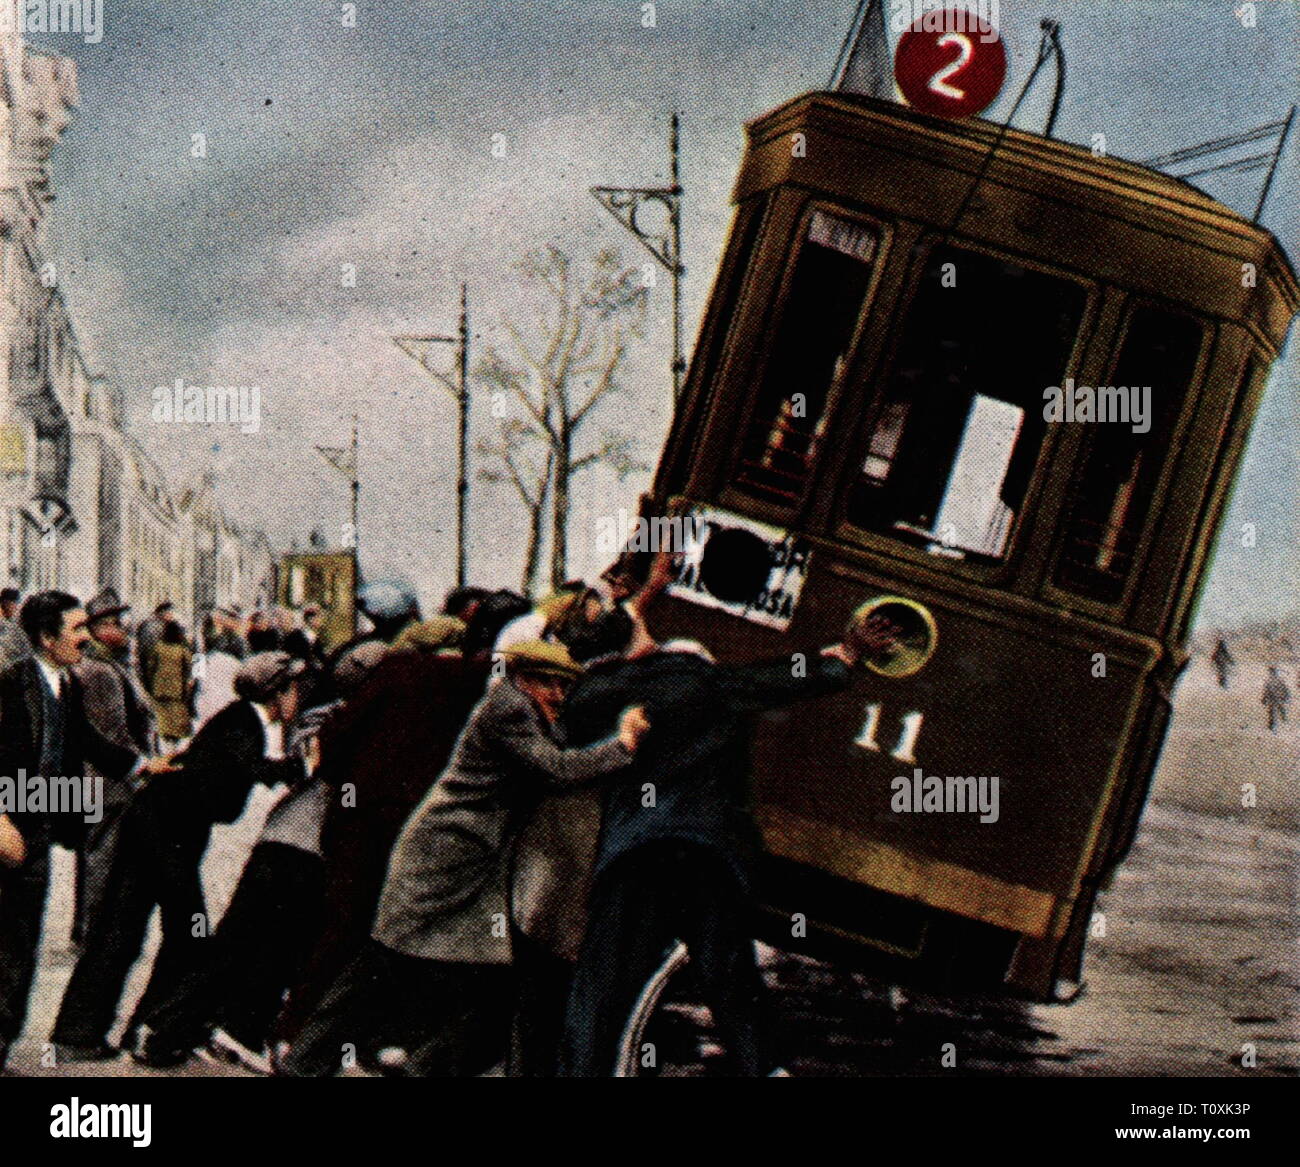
739 565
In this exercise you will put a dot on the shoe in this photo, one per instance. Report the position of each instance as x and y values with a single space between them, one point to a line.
235 1051
103 1052
392 1061
145 1052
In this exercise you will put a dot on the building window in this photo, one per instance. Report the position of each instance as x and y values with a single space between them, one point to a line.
959 424
827 292
1113 494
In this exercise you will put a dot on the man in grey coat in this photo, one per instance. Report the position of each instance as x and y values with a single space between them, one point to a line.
436 978
121 711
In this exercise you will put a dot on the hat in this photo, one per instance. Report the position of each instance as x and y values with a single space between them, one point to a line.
388 599
107 603
541 656
428 635
355 664
264 673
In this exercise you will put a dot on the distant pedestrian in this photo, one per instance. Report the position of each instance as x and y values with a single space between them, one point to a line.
1276 698
14 645
1223 661
172 685
147 637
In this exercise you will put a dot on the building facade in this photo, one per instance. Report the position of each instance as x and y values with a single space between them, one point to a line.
82 505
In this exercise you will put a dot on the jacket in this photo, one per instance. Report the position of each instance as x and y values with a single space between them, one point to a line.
695 757
447 894
218 771
22 713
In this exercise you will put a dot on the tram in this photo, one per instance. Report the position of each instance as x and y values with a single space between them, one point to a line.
863 428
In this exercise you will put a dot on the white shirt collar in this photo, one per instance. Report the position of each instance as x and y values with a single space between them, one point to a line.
274 731
55 677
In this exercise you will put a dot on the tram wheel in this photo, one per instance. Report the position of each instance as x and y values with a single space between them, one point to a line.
629 1064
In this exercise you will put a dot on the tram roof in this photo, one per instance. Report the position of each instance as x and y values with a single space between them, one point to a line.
892 126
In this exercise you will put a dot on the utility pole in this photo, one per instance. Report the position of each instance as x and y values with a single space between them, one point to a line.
346 460
624 203
356 504
418 349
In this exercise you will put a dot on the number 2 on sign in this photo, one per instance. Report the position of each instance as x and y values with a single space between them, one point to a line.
903 752
939 82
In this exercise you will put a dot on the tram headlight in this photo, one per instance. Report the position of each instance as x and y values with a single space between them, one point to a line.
914 645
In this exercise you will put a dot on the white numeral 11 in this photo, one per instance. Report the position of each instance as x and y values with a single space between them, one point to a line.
906 742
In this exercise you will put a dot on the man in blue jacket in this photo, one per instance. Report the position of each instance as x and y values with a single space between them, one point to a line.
678 840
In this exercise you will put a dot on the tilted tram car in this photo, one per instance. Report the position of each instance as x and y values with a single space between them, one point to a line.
865 422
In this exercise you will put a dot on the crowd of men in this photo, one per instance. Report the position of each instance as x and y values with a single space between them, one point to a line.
494 822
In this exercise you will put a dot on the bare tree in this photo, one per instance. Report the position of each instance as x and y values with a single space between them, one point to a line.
562 373
512 463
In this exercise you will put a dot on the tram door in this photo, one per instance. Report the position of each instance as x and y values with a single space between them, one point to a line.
887 412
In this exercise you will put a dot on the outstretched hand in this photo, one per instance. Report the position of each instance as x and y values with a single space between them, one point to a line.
162 764
873 638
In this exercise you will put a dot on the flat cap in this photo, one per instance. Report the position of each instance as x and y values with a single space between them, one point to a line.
388 599
430 635
542 656
265 672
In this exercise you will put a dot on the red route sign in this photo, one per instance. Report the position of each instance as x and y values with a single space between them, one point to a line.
951 63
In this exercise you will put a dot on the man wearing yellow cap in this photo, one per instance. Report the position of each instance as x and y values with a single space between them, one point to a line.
436 978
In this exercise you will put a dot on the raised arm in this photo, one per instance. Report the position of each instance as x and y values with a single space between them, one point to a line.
519 734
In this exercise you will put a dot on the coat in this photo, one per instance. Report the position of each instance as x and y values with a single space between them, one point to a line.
388 743
447 895
696 753
218 770
170 686
22 713
114 701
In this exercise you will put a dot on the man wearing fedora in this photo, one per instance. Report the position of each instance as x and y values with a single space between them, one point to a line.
164 834
120 710
436 979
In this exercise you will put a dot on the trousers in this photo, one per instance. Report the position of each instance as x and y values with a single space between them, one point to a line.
255 954
22 907
452 1019
155 864
656 894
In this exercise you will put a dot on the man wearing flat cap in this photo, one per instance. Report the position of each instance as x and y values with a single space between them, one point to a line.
163 836
436 979
120 710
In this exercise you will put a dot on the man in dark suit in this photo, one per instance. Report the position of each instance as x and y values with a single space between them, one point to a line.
677 865
45 734
163 837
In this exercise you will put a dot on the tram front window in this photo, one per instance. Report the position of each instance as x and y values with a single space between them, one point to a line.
960 422
827 292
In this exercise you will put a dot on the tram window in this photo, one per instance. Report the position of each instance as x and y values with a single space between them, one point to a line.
828 289
960 423
1110 501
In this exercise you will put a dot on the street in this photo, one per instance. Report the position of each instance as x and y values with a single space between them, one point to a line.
1198 960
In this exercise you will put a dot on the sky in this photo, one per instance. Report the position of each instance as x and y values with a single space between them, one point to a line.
371 146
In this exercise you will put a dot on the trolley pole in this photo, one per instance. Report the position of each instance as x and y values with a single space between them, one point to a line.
625 202
418 349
